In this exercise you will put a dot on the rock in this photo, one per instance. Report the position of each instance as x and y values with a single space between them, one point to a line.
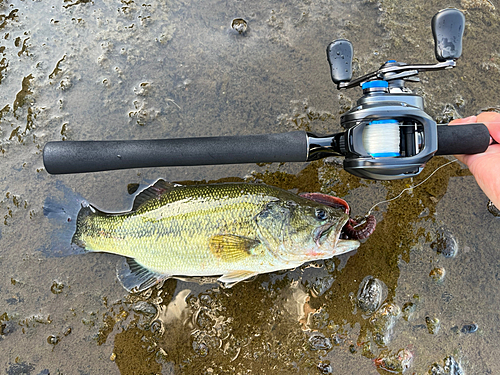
433 325
395 363
445 244
371 294
451 367
493 209
383 321
319 342
239 25
437 274
469 328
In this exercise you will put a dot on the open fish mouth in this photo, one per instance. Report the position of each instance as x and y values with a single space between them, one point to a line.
352 229
321 233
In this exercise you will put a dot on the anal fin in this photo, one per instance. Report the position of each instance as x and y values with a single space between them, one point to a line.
135 277
233 277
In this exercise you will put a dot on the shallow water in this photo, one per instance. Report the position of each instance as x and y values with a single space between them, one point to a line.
81 70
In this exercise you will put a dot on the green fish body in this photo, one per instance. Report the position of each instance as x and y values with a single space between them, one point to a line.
235 230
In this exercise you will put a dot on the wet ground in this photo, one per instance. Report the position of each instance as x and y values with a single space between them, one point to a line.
82 70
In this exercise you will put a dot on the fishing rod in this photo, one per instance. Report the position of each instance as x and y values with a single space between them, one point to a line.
387 134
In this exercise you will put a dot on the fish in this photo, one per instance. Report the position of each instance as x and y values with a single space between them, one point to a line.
231 230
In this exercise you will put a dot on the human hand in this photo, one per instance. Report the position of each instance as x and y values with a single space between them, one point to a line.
485 166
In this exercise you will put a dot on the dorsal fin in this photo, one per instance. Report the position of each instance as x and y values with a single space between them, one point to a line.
154 191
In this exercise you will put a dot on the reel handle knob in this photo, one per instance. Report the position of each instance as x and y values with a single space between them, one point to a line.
339 54
447 30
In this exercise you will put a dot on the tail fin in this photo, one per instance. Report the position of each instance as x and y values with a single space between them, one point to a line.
86 210
63 212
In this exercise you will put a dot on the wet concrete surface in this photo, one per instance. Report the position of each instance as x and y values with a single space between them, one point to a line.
105 70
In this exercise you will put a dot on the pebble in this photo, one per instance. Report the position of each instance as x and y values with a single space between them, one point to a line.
433 325
493 209
436 369
57 287
321 285
469 328
319 342
410 307
445 244
395 363
437 274
6 327
383 321
324 367
145 308
53 339
371 294
239 25
156 327
451 367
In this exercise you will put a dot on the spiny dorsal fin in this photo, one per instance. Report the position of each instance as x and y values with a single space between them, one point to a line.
136 278
154 191
231 248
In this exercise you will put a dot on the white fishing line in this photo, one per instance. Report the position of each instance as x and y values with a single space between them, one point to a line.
411 187
381 138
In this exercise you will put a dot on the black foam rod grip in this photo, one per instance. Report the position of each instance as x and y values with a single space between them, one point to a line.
447 30
462 139
94 156
339 54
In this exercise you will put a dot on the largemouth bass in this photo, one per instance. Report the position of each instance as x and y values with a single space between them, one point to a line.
235 230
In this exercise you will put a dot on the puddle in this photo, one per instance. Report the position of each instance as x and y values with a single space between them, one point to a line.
105 70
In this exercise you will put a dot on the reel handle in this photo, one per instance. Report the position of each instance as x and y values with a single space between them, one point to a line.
339 54
447 29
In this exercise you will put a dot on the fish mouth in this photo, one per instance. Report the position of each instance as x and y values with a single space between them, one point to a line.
325 233
322 232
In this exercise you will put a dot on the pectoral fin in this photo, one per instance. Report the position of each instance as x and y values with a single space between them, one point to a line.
233 277
136 278
231 248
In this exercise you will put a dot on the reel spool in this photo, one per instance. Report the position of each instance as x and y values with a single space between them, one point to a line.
381 138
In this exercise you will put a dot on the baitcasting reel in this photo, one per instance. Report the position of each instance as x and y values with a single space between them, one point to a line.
387 135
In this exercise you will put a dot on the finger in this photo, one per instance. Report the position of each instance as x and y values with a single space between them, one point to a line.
492 121
465 120
492 151
486 169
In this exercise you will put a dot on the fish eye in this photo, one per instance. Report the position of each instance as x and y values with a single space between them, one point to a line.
320 214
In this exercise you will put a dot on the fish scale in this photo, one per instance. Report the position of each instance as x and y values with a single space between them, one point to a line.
235 230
